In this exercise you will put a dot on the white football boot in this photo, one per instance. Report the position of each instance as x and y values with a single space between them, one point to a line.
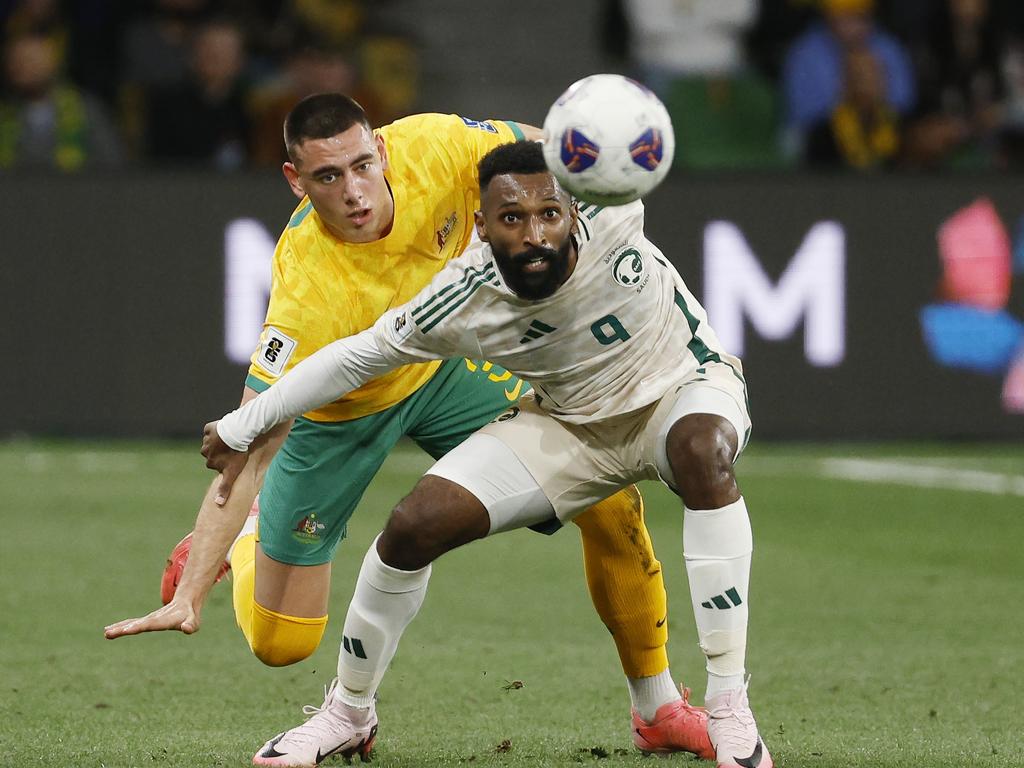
733 731
332 729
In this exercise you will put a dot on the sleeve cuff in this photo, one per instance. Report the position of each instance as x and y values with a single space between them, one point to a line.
516 131
256 383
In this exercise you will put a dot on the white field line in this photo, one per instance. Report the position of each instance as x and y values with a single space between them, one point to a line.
93 462
923 476
916 473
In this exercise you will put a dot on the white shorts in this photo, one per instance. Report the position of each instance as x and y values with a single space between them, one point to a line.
528 468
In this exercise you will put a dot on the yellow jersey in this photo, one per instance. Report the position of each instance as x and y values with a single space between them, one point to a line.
324 289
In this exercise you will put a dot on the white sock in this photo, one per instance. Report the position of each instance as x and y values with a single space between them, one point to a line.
720 683
248 529
385 601
717 544
649 693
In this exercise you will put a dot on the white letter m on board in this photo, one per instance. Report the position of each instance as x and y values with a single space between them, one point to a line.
811 287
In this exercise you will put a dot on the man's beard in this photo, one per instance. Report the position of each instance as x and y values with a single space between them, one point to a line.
534 286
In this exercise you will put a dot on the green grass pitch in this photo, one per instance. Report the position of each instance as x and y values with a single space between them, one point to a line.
886 621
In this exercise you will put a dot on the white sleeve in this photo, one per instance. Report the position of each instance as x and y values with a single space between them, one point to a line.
324 376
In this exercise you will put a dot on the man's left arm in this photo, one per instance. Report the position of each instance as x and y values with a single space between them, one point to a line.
530 133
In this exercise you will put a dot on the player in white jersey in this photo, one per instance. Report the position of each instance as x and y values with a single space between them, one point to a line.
630 384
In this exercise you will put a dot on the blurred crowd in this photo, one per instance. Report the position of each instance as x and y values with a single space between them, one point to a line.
110 83
858 84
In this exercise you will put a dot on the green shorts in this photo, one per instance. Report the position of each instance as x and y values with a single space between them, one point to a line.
320 473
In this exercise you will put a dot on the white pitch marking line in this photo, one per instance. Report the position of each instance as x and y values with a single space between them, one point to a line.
92 462
37 461
923 476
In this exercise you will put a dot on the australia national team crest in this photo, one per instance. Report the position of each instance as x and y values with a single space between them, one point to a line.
309 529
628 267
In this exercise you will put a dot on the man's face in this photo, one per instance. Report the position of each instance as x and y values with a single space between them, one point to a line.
344 178
969 12
218 54
528 221
31 66
852 28
865 81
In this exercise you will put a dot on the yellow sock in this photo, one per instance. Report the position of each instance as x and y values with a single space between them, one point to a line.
243 583
275 638
279 640
625 581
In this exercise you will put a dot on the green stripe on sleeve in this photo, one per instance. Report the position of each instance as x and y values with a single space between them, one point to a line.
464 297
451 292
252 382
516 130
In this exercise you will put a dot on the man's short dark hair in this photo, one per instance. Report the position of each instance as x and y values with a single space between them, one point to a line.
516 157
321 116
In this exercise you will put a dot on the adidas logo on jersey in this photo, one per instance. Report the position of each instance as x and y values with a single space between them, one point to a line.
536 330
719 601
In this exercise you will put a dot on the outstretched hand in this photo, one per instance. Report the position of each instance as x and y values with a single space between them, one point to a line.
176 614
225 460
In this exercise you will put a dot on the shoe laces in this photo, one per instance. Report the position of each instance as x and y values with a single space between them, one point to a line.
315 728
311 710
733 718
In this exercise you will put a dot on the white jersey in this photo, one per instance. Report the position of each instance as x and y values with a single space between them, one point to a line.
613 338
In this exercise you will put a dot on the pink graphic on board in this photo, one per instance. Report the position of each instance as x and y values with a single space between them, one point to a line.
975 250
970 327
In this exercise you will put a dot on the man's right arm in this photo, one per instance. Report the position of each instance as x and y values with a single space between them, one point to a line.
217 526
215 530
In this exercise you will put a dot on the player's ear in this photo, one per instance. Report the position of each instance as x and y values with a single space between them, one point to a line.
382 151
574 216
481 226
291 174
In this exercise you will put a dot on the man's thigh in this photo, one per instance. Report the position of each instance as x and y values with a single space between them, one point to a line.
494 474
463 396
316 481
528 468
294 590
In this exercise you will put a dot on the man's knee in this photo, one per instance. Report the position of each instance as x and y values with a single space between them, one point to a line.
404 526
700 449
436 517
279 640
415 535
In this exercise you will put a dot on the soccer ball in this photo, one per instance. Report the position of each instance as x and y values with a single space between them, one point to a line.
608 140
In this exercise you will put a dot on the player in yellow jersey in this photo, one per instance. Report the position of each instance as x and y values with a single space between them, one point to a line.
380 214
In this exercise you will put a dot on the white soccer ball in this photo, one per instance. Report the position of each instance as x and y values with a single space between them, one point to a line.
608 140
